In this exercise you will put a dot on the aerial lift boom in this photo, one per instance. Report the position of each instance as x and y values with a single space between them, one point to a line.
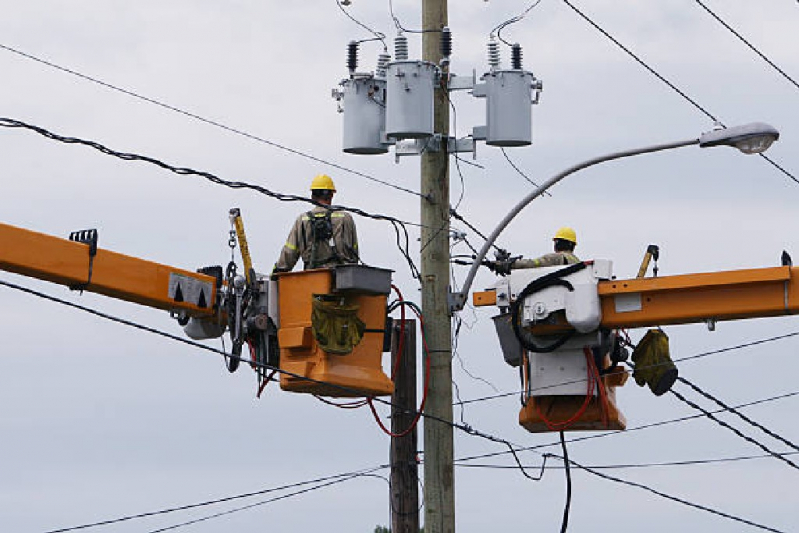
559 325
210 301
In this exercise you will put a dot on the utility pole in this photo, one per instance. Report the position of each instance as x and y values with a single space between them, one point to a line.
438 447
404 469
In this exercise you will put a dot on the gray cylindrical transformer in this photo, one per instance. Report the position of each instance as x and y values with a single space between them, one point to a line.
409 105
364 115
509 108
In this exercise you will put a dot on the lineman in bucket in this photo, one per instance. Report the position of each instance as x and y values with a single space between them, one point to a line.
322 237
565 240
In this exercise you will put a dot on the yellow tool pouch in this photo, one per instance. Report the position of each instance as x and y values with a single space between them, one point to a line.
336 325
653 364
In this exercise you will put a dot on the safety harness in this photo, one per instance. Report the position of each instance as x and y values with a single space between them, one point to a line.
322 230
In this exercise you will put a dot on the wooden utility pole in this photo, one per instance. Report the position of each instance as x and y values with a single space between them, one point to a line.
404 469
438 449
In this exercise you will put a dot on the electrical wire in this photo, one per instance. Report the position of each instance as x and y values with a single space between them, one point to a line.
462 427
630 430
522 174
672 498
740 415
625 466
677 360
670 84
378 35
258 504
513 20
399 25
216 501
401 232
738 432
208 121
747 43
567 467
465 428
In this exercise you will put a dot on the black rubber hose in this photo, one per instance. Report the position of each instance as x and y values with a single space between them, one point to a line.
549 280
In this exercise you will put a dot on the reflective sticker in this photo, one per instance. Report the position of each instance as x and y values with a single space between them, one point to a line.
184 288
627 303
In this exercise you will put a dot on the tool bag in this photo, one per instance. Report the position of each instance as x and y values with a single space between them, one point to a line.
335 324
653 364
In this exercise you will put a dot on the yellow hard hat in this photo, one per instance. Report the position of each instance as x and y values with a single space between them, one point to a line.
566 234
323 182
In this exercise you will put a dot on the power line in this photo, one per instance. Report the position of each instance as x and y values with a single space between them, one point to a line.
747 43
633 429
210 122
670 84
743 417
463 427
350 390
403 240
626 466
738 432
677 360
207 503
672 498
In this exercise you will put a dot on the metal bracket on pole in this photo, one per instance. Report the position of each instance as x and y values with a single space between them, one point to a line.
407 147
462 83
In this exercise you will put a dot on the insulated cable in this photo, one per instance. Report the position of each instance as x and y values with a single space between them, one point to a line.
462 427
403 240
210 122
501 26
378 35
747 43
672 498
216 501
740 415
670 84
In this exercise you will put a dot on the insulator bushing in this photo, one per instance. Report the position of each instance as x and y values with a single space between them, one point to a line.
352 56
400 48
516 57
446 42
382 62
493 54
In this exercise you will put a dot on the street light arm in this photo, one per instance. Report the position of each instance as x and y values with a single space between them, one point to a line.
458 299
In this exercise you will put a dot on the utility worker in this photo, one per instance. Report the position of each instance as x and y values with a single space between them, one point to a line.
322 237
565 240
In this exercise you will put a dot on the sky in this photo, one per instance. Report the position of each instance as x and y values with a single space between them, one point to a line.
100 421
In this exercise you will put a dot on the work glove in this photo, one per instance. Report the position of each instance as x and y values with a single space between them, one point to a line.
500 268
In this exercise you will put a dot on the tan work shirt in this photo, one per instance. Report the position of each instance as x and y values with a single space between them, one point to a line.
552 259
300 242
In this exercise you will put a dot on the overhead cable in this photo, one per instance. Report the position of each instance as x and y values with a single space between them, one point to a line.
378 35
632 429
677 360
747 43
513 20
349 390
216 501
670 84
462 427
628 466
403 240
738 432
672 498
740 415
208 121
258 504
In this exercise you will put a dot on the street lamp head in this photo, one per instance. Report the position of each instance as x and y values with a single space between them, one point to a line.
750 138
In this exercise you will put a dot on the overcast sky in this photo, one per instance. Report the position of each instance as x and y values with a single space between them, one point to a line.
98 420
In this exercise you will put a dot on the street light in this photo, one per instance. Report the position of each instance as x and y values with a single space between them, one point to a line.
750 139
